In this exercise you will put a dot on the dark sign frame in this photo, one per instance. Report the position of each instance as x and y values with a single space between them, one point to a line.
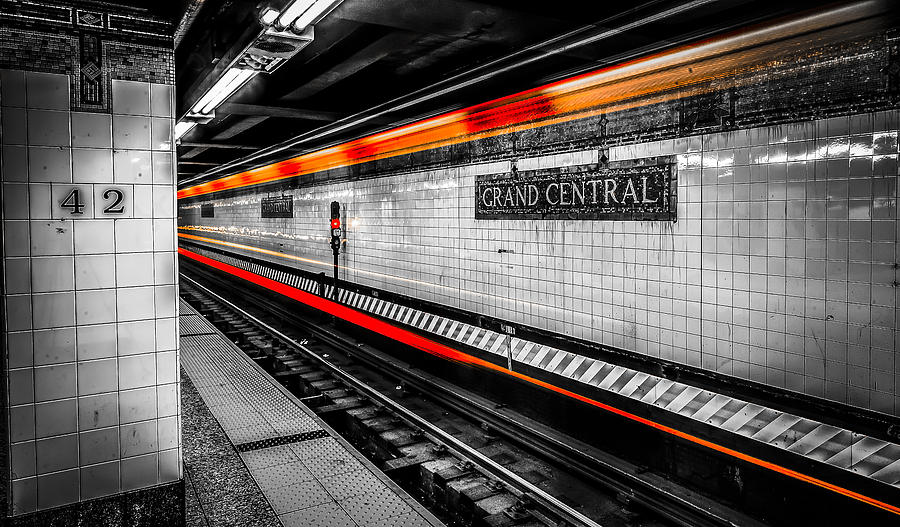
207 210
650 183
277 207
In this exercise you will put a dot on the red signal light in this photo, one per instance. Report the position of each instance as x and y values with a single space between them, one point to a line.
336 223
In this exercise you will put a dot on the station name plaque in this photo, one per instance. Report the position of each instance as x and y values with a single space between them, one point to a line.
278 207
637 191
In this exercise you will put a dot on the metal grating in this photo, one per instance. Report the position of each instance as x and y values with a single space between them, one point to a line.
284 440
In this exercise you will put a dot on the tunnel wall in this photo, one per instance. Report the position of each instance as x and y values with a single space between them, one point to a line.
780 269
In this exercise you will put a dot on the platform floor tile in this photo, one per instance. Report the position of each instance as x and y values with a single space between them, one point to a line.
325 515
282 475
307 476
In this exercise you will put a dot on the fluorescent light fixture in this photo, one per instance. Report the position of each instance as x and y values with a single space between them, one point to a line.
269 16
183 127
229 83
293 11
302 13
315 13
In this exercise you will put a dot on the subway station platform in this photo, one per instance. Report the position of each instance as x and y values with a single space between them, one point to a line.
647 255
255 455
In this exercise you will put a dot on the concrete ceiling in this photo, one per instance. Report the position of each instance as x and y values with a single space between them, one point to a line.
368 53
171 10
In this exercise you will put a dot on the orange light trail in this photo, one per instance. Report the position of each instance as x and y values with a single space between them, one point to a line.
669 75
440 350
269 252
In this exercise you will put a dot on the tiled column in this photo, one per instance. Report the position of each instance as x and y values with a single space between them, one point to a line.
90 293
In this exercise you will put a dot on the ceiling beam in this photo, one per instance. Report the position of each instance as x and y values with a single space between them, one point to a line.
241 125
367 56
277 111
188 144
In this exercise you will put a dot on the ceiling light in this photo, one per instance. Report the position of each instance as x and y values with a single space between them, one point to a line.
293 11
229 83
183 127
303 13
315 13
269 16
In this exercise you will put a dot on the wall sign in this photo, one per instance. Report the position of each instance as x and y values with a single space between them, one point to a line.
280 207
207 210
642 190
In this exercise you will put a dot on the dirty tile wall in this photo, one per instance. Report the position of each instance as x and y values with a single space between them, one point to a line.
89 292
781 268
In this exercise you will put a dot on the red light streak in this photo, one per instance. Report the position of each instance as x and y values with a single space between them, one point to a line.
440 350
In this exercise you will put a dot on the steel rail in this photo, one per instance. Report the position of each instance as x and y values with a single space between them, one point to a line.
454 445
573 456
577 457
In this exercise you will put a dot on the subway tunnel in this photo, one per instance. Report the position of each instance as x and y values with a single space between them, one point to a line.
450 263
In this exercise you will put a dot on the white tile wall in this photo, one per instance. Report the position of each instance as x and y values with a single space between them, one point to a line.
131 98
92 165
15 163
49 165
95 342
162 100
131 132
93 355
14 124
48 128
780 268
93 130
47 91
12 86
132 166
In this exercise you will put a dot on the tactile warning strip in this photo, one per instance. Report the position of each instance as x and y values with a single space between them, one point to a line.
308 477
855 452
239 397
293 438
195 325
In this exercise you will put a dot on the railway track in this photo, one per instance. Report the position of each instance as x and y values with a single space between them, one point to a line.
470 461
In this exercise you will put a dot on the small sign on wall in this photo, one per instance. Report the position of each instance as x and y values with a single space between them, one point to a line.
279 207
634 190
207 210
92 201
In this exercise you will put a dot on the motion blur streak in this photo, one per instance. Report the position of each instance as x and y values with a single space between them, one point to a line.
673 74
329 265
440 350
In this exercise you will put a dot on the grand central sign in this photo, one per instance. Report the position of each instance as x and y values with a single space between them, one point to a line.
620 191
